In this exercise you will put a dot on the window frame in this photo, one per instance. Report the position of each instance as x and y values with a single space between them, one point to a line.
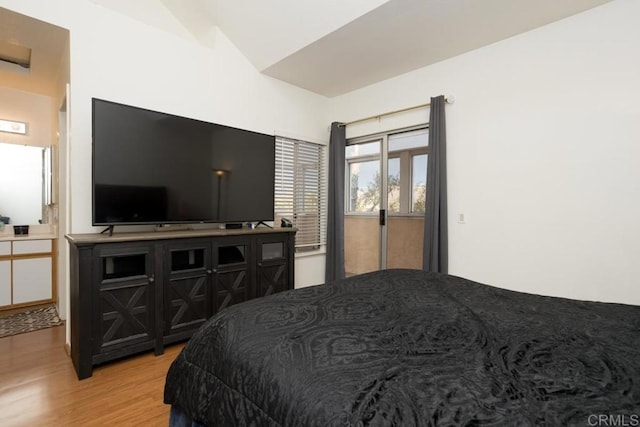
406 166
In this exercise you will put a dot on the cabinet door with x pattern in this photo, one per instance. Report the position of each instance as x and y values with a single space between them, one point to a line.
187 288
274 271
124 306
232 271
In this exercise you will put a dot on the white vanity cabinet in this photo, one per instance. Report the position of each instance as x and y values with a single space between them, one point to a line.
26 272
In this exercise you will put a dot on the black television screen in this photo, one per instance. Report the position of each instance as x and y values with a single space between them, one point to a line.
157 168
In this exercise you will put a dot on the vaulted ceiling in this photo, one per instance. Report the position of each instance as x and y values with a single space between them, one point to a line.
334 46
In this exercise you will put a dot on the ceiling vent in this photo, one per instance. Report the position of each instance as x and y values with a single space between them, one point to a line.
14 57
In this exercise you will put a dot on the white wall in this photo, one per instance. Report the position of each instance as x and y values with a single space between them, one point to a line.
309 270
543 149
27 107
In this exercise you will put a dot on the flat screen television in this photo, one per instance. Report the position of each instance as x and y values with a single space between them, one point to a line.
156 168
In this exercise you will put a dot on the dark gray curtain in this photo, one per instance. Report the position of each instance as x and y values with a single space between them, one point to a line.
335 214
435 246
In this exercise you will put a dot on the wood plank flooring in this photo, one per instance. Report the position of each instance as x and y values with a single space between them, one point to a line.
39 387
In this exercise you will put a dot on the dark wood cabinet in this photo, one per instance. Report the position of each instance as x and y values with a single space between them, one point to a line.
134 292
272 266
186 287
124 294
233 271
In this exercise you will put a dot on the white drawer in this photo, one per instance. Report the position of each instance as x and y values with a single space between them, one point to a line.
21 247
5 248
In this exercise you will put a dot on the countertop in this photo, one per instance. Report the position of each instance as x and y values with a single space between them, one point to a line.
8 237
91 238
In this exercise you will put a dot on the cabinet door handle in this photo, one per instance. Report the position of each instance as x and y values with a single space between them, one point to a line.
152 279
259 264
215 270
209 271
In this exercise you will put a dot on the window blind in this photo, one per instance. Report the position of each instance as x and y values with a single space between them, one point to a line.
300 190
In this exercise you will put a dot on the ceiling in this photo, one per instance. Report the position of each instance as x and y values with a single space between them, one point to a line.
403 35
48 44
329 47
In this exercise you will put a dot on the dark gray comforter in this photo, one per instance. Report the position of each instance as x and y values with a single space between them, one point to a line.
409 348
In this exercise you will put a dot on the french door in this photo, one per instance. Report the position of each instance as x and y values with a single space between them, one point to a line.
385 197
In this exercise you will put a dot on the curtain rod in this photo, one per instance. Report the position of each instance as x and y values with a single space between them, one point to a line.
447 100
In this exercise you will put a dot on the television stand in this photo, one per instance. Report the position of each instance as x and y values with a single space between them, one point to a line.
143 276
109 229
263 223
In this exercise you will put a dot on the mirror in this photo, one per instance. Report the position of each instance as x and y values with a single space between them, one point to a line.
25 177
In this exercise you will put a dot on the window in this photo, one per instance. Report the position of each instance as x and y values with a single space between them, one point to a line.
407 170
300 191
406 173
418 182
393 185
363 188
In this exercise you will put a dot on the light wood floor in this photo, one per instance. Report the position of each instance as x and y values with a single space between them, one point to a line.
39 387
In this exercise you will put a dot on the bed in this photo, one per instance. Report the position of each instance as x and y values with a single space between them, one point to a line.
409 348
